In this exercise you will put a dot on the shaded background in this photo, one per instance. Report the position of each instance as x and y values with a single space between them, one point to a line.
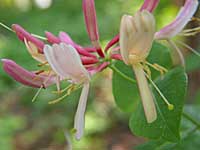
33 126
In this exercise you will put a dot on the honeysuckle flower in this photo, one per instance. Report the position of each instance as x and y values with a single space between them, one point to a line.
149 5
27 77
66 62
177 25
134 32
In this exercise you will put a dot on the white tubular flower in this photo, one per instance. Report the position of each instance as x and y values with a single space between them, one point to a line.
66 62
136 37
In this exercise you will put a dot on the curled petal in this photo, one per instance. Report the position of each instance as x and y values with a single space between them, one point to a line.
116 56
90 19
112 42
90 49
66 62
99 68
64 37
149 5
23 34
52 38
79 121
26 77
176 26
89 60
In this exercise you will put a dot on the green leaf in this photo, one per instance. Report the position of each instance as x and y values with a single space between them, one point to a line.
189 134
192 62
126 93
173 86
160 54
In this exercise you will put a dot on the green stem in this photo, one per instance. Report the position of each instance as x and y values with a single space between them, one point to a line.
188 117
121 74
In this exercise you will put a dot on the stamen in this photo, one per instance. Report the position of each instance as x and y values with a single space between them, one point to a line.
43 64
189 48
61 91
173 45
38 92
58 99
190 32
195 19
146 69
170 106
70 89
157 67
6 27
39 72
39 37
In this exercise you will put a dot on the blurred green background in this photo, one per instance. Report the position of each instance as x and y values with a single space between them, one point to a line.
33 126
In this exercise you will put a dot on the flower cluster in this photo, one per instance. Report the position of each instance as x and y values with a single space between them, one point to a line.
67 60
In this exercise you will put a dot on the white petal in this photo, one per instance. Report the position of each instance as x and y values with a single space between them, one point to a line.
146 95
79 121
66 62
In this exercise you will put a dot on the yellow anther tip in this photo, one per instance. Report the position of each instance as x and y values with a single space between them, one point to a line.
171 107
73 131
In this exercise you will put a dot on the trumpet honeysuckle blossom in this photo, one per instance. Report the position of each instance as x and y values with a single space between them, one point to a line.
134 32
66 62
149 5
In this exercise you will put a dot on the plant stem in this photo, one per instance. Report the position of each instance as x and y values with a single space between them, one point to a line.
121 74
188 117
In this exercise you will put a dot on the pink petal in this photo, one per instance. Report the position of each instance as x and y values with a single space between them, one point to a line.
90 19
23 34
112 42
26 77
149 5
116 56
89 60
90 49
66 62
65 38
52 38
101 67
91 24
176 26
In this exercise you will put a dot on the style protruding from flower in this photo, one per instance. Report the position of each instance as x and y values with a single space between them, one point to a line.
66 62
136 37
